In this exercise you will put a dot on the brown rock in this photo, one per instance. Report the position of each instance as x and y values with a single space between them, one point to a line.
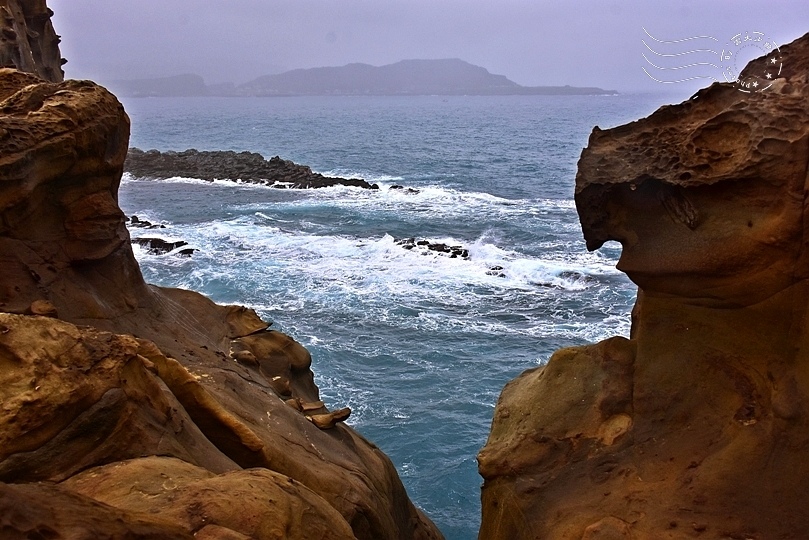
43 308
43 510
245 357
75 398
329 420
27 39
254 503
698 424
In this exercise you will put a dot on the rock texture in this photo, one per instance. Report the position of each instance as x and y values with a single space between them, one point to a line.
227 165
697 426
145 412
28 41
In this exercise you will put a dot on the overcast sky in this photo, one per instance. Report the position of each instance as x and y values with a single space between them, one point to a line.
532 42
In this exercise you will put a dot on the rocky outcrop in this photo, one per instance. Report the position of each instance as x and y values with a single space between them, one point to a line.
227 165
28 41
146 412
158 245
425 246
698 425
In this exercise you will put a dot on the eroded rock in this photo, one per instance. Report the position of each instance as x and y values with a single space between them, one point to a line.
131 370
28 41
697 425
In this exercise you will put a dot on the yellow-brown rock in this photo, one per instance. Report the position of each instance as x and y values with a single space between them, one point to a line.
256 503
130 370
697 426
43 510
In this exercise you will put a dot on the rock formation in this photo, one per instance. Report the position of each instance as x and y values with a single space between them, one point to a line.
227 165
697 426
28 41
146 412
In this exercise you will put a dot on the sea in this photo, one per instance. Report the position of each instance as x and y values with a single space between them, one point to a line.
417 343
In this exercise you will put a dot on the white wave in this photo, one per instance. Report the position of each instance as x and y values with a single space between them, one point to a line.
336 267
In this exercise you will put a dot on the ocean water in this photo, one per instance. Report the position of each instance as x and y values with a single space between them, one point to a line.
418 344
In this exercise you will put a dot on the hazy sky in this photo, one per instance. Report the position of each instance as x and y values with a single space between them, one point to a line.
533 42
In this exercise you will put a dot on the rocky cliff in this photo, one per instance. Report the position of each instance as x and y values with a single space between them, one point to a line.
133 411
697 426
27 39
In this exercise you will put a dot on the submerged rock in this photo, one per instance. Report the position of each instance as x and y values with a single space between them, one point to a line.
131 371
227 165
698 424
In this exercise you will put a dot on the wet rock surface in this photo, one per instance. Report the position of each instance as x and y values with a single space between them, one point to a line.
227 165
425 246
158 245
696 426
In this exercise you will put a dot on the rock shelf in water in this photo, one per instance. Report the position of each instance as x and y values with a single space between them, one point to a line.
228 165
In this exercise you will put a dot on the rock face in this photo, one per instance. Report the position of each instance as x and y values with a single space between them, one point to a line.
226 165
129 372
698 425
27 39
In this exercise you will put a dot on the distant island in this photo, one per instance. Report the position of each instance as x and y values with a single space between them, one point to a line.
448 77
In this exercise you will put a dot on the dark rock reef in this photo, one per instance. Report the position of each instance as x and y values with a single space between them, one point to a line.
135 411
697 426
425 246
227 165
28 41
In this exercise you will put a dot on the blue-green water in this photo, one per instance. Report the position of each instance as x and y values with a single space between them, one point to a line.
418 344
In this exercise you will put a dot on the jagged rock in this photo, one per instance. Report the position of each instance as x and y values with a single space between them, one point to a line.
410 191
135 221
697 425
452 251
131 370
28 41
227 165
160 245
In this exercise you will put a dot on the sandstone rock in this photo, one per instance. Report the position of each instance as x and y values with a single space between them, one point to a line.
75 397
696 426
227 165
148 370
43 308
62 235
43 510
329 420
256 503
28 41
